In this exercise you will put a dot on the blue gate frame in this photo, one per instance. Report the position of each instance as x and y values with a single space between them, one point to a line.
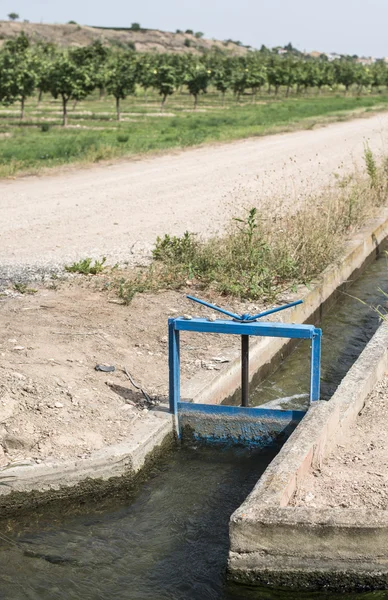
240 328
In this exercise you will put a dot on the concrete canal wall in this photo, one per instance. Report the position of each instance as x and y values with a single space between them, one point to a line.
273 542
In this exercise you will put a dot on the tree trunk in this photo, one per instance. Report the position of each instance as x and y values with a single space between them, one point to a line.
223 98
22 108
288 91
40 96
118 109
269 90
102 91
75 104
163 102
276 90
64 105
195 101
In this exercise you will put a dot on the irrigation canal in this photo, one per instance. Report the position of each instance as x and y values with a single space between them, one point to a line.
168 538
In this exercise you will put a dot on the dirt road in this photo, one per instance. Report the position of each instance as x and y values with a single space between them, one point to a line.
118 210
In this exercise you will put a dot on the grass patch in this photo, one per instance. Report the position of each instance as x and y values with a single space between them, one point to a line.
35 144
259 258
87 267
22 288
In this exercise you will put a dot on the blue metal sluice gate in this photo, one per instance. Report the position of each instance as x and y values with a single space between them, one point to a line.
238 424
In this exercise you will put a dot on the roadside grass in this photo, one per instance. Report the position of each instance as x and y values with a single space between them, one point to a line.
261 257
94 135
86 266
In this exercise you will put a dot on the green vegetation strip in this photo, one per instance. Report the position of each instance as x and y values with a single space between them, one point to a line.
259 257
30 147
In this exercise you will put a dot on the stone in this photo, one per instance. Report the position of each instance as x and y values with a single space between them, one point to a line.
7 407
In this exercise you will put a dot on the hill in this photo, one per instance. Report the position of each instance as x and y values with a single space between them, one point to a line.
144 40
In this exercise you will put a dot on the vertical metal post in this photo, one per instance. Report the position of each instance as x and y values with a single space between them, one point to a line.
315 377
174 370
245 370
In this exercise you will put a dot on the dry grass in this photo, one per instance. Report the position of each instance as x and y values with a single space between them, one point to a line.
260 257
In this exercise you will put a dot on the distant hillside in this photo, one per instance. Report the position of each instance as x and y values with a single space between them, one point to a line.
145 40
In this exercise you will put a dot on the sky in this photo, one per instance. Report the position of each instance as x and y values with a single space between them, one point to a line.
343 26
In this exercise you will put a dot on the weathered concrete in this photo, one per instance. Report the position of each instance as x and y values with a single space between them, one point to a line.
28 485
342 548
206 388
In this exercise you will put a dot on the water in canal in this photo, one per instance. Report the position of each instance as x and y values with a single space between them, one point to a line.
168 539
347 327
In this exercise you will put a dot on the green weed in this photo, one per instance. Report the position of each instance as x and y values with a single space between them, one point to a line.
22 288
86 266
371 166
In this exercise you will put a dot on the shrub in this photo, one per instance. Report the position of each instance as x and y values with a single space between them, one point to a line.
85 266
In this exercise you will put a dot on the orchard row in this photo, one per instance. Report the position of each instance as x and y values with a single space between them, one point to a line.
73 74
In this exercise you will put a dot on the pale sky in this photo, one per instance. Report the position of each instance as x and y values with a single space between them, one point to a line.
344 26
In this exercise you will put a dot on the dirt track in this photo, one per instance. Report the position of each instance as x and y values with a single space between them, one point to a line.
118 210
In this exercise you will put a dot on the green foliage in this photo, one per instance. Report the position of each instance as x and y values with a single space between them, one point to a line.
13 16
173 248
135 27
187 43
87 267
197 80
121 78
165 80
68 79
18 72
23 288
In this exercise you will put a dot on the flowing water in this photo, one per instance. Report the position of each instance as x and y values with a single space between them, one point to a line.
168 540
347 327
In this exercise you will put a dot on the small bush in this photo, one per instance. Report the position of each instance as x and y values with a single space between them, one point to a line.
45 127
122 138
85 266
187 43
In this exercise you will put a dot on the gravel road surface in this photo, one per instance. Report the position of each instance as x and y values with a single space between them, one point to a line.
118 210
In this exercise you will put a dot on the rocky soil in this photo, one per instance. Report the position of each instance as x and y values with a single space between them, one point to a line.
53 403
146 40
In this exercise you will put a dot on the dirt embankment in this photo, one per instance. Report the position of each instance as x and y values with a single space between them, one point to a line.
355 475
53 403
146 40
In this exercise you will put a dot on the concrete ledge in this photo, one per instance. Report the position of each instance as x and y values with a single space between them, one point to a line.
205 388
41 483
265 532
